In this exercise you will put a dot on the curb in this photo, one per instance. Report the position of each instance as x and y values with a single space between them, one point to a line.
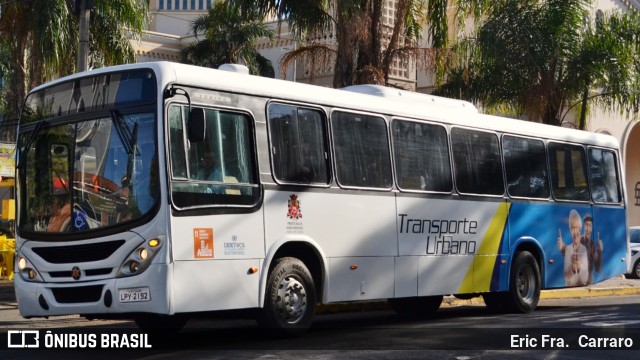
589 292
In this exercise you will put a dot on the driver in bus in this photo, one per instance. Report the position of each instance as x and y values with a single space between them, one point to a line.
211 172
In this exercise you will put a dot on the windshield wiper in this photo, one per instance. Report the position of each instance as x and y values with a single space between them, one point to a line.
123 131
132 155
22 160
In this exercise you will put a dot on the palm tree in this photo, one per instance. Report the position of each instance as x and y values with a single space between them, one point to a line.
41 36
364 46
447 19
230 35
540 59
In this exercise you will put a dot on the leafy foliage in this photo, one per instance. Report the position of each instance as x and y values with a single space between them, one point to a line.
230 35
41 38
539 58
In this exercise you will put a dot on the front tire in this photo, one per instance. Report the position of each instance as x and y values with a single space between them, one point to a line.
290 300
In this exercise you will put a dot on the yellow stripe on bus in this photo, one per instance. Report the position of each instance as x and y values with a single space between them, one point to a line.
484 261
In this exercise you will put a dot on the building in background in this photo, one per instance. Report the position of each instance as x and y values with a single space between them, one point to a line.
170 32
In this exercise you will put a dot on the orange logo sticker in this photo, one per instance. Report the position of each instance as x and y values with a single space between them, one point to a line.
203 243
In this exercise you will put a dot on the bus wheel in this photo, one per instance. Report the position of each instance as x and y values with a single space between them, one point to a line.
158 325
635 271
290 300
524 284
423 307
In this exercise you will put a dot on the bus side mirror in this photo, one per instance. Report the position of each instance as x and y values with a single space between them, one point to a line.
197 125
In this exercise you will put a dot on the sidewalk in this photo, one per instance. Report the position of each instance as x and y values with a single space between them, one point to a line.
613 287
618 286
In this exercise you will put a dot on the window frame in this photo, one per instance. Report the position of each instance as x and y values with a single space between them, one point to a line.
453 164
252 143
393 156
550 143
326 142
546 162
618 174
334 149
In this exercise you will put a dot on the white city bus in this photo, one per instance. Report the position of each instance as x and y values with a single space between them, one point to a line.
159 191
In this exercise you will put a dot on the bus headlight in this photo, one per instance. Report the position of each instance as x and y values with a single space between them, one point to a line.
140 258
22 263
27 270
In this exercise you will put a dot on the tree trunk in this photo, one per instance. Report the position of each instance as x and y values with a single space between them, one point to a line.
582 122
17 87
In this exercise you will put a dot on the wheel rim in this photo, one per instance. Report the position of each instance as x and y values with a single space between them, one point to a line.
292 299
637 267
525 284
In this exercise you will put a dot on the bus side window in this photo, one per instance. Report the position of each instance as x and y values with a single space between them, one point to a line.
603 176
361 150
298 144
421 153
568 172
476 158
176 140
526 167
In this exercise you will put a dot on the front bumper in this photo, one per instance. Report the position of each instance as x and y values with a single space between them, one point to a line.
37 299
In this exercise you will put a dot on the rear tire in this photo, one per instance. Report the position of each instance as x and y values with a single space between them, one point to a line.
422 307
290 301
524 284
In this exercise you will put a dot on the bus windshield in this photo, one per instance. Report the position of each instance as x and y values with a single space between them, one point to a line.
87 173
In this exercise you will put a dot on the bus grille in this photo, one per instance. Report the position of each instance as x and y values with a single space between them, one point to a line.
80 294
78 253
90 272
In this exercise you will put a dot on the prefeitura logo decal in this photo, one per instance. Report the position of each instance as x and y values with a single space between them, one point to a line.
294 208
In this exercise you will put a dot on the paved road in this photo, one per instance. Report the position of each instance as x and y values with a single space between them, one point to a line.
456 332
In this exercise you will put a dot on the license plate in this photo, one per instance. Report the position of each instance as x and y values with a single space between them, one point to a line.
135 294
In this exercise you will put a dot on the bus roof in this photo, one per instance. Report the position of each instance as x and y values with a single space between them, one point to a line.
365 98
411 97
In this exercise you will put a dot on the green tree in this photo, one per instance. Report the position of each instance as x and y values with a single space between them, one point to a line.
361 46
230 36
42 39
446 19
541 59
